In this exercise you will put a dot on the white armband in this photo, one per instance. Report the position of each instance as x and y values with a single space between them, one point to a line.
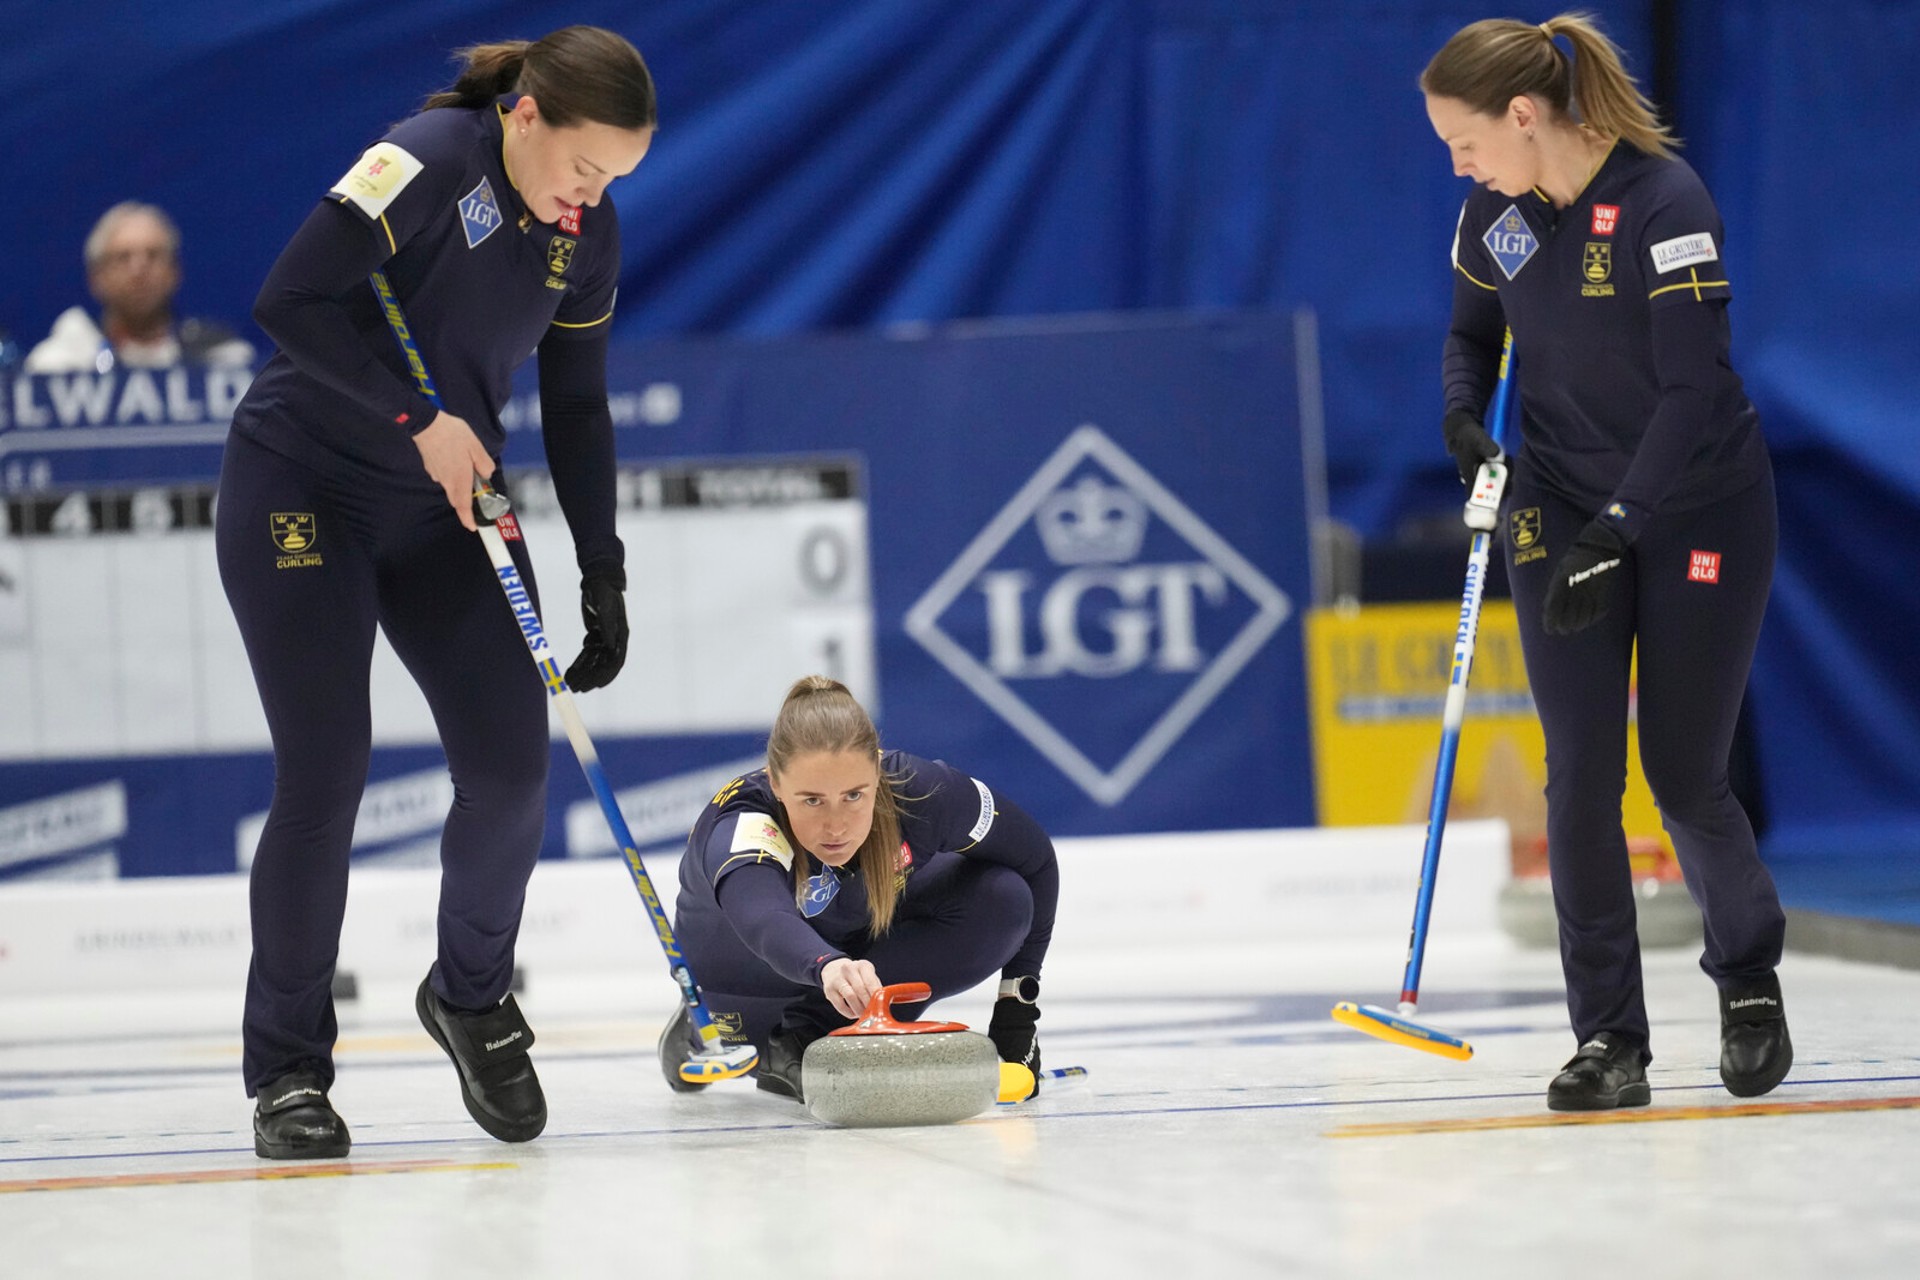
377 177
757 838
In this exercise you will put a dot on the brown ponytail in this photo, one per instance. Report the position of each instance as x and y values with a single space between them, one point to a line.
491 70
1489 63
576 74
821 715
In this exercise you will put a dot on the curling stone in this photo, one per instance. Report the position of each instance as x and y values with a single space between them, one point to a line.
881 1072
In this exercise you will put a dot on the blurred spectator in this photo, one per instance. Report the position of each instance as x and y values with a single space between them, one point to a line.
133 271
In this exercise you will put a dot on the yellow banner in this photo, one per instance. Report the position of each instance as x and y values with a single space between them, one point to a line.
1378 682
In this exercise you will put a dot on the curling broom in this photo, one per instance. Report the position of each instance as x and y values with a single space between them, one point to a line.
714 1059
1482 514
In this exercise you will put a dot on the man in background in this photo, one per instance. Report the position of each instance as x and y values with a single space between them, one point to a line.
133 272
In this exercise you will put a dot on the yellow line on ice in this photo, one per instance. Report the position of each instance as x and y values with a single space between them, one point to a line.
262 1173
1631 1115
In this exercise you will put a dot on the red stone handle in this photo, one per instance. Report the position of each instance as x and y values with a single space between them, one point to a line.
877 1018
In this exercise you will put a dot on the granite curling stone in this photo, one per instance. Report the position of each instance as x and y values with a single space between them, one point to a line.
881 1073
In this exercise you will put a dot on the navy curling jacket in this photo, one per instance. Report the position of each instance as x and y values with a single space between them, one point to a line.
1629 403
483 285
741 836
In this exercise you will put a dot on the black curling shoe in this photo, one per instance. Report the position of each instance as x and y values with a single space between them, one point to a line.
1606 1073
676 1046
779 1069
1755 1050
489 1050
292 1120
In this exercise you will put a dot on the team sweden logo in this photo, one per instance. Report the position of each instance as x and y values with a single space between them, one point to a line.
479 214
1510 241
296 535
1596 264
559 258
1094 573
1523 530
293 530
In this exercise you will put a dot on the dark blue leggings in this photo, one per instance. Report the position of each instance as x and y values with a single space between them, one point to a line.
1696 625
961 920
307 606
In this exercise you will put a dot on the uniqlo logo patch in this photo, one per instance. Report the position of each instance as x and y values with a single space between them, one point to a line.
510 529
1605 218
1704 566
570 221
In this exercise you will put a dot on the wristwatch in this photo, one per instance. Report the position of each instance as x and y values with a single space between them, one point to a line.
1026 990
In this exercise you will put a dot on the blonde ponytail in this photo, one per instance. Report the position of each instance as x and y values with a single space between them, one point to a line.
1488 64
1605 97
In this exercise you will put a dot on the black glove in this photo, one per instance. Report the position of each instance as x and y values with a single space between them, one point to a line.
1469 444
604 609
1582 586
1012 1033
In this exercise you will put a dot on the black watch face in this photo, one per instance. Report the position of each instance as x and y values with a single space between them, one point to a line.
1029 989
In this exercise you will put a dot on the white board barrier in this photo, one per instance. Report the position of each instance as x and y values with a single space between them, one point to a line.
583 915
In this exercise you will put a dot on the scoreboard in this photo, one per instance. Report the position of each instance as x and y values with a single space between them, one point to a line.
1068 555
116 642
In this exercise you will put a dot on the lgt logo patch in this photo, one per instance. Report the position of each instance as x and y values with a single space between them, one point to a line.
1098 615
479 214
1510 241
1703 566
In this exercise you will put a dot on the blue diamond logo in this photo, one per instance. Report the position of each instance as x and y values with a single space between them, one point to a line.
1098 615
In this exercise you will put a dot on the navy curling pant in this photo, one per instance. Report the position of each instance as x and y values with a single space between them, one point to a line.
961 920
1692 592
311 564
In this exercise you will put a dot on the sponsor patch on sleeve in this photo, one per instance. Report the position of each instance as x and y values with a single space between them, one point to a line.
377 177
757 837
985 823
1684 251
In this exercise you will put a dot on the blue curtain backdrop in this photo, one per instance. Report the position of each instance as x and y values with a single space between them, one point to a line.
1805 120
858 163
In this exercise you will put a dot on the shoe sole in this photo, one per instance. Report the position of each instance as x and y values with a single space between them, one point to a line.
671 1070
504 1130
1629 1095
285 1151
777 1087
